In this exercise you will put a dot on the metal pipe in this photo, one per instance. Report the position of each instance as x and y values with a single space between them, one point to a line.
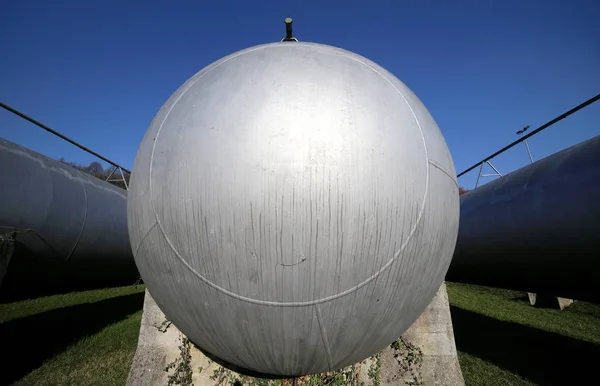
39 124
536 229
534 132
288 28
289 37
78 224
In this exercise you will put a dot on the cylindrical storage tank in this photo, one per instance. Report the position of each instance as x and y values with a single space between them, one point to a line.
293 208
536 229
78 223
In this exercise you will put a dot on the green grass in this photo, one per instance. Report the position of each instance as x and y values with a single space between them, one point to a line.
26 308
502 340
477 371
89 338
81 338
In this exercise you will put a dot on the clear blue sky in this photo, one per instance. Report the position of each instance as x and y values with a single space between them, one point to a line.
98 71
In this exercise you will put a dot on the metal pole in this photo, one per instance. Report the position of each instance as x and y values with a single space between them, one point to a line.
123 177
479 175
544 126
39 124
111 174
492 166
520 133
288 28
528 151
289 37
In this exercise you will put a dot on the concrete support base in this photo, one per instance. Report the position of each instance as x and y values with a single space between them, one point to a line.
425 355
536 299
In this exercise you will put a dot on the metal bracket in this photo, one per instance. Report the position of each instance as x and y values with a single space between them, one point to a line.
121 172
497 174
520 133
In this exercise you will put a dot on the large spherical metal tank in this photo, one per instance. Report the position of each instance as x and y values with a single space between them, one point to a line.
293 208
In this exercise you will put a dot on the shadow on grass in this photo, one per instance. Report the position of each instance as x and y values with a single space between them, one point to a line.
29 277
28 342
545 358
521 298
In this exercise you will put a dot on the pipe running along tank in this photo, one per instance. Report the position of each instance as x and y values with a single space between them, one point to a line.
536 229
78 226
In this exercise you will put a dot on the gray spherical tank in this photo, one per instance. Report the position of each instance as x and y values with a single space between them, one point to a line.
293 208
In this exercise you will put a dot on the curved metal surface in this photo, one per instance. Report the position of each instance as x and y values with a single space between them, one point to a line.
293 208
78 222
536 229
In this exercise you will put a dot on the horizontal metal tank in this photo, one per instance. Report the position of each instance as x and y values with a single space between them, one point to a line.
78 223
536 229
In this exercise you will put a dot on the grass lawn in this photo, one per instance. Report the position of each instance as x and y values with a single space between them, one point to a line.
502 340
89 338
81 338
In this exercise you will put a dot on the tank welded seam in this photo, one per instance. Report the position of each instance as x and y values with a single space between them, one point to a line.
84 220
324 337
143 239
439 167
298 303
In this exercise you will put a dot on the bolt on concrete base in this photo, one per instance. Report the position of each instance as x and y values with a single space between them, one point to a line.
425 355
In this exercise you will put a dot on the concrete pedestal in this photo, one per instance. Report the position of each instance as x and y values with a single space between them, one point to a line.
536 299
424 355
